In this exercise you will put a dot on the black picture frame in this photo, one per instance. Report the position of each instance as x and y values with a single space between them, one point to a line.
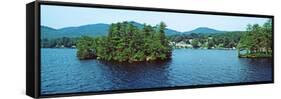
33 67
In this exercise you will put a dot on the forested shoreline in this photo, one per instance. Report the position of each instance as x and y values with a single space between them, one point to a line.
257 41
64 42
126 42
228 40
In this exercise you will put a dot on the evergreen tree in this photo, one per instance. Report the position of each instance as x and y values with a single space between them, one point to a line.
127 43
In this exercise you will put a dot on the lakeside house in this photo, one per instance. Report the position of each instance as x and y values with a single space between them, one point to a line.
181 45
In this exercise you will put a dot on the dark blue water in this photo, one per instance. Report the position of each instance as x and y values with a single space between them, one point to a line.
62 72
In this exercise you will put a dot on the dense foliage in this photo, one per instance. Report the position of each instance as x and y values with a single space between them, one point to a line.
127 43
257 41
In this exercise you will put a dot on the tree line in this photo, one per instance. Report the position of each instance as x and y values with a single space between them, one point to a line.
257 41
127 43
64 42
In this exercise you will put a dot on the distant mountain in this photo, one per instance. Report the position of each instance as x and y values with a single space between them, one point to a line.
93 30
48 32
204 30
101 30
90 30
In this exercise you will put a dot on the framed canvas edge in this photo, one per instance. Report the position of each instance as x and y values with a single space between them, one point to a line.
38 53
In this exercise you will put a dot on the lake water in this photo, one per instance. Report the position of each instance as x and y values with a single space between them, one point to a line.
62 72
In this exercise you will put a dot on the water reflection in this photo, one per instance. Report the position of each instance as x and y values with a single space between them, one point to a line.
137 75
62 72
256 69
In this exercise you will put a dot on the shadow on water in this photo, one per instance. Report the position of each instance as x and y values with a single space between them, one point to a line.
257 69
137 75
256 62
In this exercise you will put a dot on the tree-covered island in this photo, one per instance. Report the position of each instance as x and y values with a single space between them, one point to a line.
127 43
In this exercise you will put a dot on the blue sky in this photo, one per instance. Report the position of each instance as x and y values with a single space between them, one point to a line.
64 16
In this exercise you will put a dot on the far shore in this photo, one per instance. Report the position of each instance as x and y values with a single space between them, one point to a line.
173 48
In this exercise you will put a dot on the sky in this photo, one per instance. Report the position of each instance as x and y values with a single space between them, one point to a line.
65 16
